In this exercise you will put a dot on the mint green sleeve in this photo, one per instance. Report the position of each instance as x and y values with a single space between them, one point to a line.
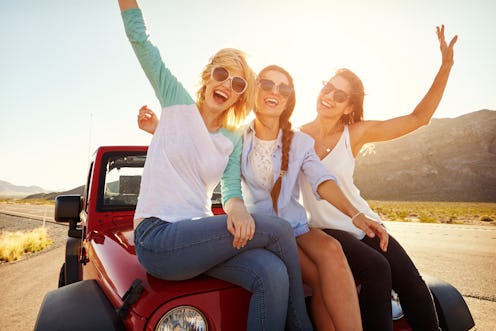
168 89
231 179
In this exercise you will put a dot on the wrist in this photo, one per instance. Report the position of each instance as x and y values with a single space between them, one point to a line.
235 204
356 215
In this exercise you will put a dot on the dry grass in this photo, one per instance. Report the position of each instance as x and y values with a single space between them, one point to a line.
481 213
13 245
27 201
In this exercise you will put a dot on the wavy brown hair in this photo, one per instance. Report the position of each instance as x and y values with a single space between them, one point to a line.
356 97
231 59
287 132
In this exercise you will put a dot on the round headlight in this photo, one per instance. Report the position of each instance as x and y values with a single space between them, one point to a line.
183 318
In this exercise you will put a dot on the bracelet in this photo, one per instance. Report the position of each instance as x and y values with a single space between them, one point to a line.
356 215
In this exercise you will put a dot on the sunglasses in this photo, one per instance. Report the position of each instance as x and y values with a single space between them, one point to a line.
220 75
339 95
267 85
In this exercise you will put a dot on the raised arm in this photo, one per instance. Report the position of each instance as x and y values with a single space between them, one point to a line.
166 86
373 131
128 4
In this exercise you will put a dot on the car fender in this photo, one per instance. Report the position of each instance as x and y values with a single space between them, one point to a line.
78 306
452 310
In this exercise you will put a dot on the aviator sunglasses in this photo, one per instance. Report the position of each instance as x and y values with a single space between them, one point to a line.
220 75
267 85
339 95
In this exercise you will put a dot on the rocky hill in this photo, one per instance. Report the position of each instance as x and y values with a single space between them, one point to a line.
451 159
52 195
10 190
447 160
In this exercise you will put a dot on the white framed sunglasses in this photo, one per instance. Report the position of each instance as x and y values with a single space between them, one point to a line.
221 74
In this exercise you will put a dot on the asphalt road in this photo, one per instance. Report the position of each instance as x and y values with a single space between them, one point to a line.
462 255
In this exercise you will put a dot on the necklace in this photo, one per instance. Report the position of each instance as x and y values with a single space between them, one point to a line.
326 147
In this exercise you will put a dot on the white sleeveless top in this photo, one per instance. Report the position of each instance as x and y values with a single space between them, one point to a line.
340 163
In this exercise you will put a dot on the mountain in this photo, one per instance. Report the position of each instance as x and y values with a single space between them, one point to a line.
10 190
51 196
451 159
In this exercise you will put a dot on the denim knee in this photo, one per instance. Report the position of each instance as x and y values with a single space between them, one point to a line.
274 225
273 276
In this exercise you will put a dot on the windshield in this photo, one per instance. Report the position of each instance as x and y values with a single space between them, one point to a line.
121 181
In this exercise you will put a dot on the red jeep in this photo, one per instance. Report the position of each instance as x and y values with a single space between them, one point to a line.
102 286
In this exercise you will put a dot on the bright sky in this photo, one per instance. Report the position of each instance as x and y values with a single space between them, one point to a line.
70 82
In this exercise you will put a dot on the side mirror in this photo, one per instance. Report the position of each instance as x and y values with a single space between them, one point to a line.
67 209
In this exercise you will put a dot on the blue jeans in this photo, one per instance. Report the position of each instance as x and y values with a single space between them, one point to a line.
268 263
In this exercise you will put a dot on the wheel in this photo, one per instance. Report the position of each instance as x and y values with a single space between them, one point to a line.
62 276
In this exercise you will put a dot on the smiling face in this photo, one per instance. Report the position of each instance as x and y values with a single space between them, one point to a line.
219 96
342 98
270 103
216 98
330 101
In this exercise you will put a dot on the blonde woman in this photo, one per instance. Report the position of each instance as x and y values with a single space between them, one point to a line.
194 147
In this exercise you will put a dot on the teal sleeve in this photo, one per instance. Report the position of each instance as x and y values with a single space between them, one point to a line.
167 88
231 179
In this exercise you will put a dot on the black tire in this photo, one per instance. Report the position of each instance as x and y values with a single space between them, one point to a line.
72 267
62 276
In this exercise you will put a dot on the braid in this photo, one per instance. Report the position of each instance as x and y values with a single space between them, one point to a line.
287 133
287 136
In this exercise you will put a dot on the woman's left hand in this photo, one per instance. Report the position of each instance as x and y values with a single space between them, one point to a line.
241 225
372 229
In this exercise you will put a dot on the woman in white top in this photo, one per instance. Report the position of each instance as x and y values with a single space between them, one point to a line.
340 132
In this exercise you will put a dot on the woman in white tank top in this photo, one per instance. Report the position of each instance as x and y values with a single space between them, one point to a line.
340 132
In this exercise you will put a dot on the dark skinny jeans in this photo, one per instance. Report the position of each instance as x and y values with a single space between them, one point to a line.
378 273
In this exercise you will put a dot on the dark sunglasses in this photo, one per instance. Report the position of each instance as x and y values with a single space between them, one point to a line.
238 84
267 85
339 95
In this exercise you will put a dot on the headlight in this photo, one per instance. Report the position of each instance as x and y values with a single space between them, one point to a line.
183 318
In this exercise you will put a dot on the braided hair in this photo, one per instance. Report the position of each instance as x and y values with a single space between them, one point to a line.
287 133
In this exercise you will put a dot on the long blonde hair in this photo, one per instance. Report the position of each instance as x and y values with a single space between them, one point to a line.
231 59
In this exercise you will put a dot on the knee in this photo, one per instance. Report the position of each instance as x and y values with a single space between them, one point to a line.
274 225
271 276
376 267
332 251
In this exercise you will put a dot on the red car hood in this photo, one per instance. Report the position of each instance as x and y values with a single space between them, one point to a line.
118 267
